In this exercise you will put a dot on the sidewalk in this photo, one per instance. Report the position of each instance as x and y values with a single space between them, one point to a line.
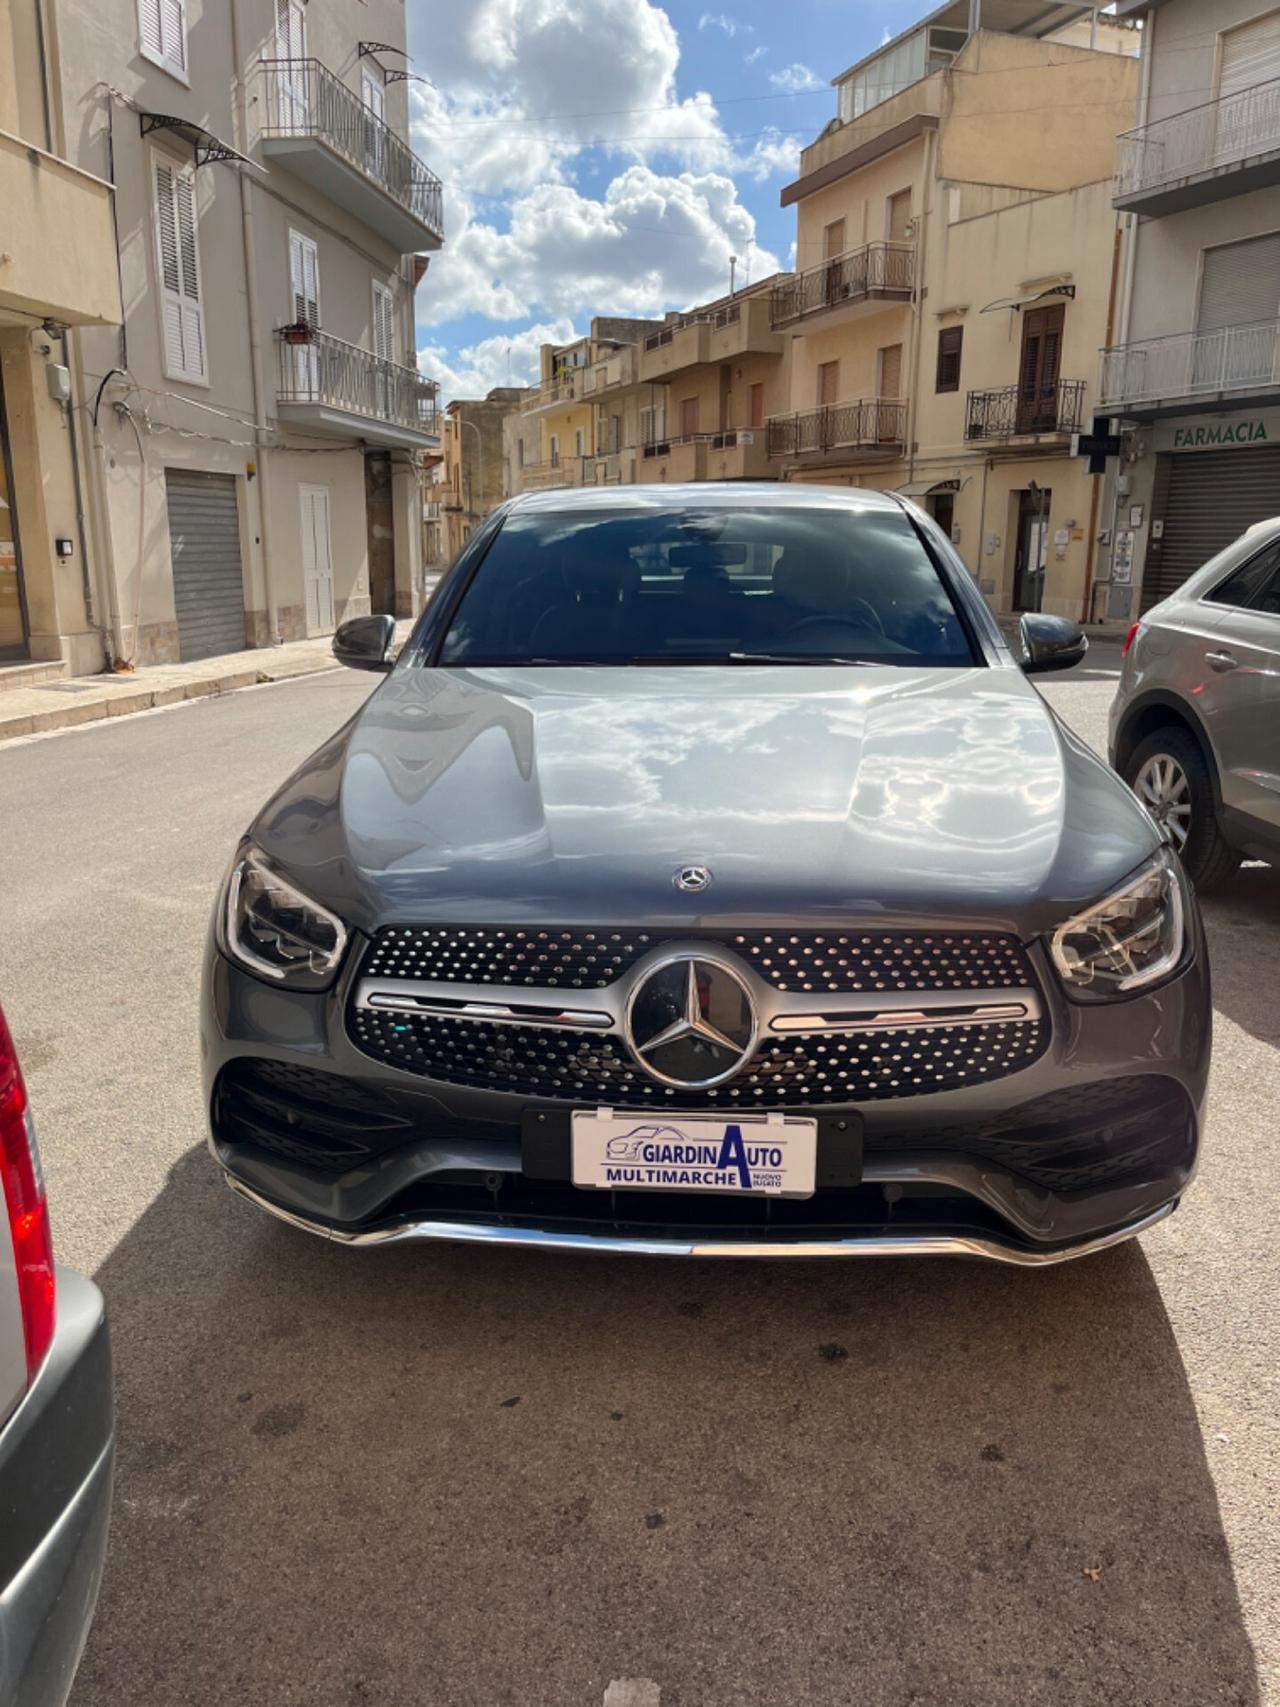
87 699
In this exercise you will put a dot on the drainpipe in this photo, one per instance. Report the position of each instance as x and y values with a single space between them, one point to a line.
917 330
1144 107
261 429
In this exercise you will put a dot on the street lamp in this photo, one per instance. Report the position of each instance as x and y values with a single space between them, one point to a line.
471 510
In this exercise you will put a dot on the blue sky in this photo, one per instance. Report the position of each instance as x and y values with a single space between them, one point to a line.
607 156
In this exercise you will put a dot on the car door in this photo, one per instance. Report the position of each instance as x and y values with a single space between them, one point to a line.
1244 663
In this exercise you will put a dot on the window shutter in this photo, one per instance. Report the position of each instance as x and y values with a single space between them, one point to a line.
950 340
1250 55
150 28
181 309
383 323
1240 284
304 278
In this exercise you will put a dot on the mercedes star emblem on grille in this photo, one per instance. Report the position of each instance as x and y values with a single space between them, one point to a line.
691 1021
693 879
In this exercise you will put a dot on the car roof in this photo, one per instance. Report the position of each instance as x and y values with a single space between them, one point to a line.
705 494
1221 564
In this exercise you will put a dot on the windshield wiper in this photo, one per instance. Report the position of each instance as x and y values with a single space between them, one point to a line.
800 658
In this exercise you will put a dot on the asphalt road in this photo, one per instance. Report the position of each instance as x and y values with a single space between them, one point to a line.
466 1478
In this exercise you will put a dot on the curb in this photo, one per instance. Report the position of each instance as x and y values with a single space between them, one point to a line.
147 699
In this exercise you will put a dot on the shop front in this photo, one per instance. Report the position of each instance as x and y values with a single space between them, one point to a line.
1212 477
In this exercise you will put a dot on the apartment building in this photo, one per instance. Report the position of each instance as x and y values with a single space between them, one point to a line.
257 419
954 264
469 480
581 422
714 375
57 271
1194 366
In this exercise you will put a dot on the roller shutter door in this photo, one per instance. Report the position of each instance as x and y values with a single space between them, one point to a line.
1206 499
208 584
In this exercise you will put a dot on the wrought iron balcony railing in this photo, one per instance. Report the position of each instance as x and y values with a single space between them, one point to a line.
1015 409
332 374
729 315
875 269
873 423
1218 133
1234 358
304 98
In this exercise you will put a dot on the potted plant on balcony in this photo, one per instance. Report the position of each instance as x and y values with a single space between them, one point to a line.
298 332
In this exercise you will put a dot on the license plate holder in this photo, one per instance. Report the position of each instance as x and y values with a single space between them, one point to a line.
547 1143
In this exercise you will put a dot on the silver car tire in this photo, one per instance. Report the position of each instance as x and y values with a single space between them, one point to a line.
1168 772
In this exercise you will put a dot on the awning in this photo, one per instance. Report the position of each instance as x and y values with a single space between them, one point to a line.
206 147
923 488
1017 303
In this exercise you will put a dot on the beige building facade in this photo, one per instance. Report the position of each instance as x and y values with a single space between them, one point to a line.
255 424
1193 367
57 272
943 319
469 480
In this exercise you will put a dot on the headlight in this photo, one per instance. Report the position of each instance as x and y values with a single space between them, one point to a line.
1129 942
275 930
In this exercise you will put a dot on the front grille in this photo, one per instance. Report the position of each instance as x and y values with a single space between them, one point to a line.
786 1071
588 959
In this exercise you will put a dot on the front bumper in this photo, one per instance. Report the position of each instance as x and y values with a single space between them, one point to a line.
56 1454
1090 1143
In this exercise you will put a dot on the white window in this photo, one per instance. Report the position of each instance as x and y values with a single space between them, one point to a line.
304 293
579 441
373 93
178 263
162 30
288 84
384 325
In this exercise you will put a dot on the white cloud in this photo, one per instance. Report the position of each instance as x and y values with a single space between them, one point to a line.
721 21
652 242
756 53
795 79
506 358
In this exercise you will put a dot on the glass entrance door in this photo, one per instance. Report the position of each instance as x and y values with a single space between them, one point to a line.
13 629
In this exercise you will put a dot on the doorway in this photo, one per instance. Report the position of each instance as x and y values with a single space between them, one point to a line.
317 559
942 507
380 521
1031 554
13 627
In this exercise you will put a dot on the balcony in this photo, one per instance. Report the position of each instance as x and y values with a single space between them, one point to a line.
1223 148
735 454
322 132
560 393
721 335
1194 370
610 373
871 429
62 253
550 475
1025 411
340 391
855 283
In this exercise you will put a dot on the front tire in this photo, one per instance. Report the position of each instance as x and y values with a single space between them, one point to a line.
1170 776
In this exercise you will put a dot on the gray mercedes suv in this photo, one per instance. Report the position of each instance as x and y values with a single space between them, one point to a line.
707 878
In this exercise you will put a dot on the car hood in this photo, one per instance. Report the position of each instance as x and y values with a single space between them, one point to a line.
813 793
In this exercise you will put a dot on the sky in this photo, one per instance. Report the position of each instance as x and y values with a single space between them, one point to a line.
608 156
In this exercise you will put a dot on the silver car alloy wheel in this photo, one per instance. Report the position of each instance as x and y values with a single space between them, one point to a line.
1164 790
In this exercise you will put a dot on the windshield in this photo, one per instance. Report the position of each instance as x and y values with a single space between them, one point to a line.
717 585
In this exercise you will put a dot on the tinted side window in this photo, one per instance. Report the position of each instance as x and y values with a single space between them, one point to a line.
1245 587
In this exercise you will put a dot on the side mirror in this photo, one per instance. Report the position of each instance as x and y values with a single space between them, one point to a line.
364 643
1051 643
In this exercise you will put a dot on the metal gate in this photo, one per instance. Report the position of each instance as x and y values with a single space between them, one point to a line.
208 583
1206 499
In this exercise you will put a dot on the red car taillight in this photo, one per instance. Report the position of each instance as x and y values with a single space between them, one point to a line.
27 1208
1128 641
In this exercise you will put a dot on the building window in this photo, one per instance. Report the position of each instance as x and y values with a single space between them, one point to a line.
898 219
950 338
555 449
688 417
833 239
889 375
757 406
162 31
579 442
828 383
178 261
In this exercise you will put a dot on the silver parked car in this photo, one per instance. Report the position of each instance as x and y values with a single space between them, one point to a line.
1195 726
56 1430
